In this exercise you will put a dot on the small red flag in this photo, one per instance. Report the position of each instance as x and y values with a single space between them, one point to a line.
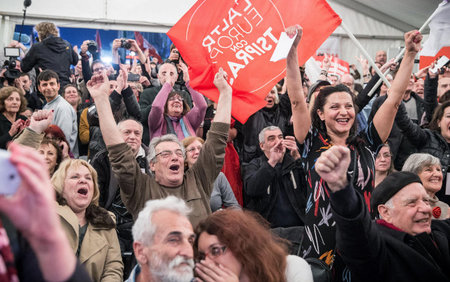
240 36
99 41
144 44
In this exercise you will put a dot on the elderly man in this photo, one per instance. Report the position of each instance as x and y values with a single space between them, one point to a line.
166 157
404 245
131 132
163 239
274 183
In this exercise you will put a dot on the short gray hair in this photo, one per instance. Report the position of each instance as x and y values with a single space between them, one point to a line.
415 163
262 132
143 228
165 138
119 124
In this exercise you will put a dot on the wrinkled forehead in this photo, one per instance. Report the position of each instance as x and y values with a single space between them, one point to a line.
412 191
130 125
167 67
167 145
275 132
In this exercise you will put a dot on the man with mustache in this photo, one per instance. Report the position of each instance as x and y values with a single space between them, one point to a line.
163 239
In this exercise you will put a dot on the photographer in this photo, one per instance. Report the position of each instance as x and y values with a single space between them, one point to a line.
52 52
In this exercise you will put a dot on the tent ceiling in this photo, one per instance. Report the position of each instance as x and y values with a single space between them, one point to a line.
404 15
159 16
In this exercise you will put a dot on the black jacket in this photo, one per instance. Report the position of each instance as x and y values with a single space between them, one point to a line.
377 252
129 108
262 186
5 126
52 53
279 115
427 141
401 146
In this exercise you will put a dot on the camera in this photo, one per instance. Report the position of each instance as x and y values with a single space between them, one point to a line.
125 44
92 46
11 72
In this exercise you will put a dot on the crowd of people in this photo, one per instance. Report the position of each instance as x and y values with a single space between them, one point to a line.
152 181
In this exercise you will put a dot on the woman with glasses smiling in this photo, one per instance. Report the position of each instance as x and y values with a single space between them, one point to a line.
171 114
233 245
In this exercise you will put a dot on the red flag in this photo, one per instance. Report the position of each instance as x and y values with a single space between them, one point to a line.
240 36
144 44
99 41
338 66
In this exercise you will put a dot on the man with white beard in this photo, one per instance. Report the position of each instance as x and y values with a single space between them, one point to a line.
163 239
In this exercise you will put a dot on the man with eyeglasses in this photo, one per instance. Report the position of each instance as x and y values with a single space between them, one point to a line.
166 157
163 239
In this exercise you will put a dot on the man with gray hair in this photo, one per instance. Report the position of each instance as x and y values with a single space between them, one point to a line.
274 183
405 239
166 157
163 239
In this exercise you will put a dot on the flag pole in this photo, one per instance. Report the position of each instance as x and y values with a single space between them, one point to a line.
361 48
402 52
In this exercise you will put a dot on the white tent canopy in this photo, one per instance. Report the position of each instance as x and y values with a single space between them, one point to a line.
378 24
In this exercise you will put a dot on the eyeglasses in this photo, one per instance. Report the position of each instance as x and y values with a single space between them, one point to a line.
213 252
191 150
177 98
167 153
99 69
385 155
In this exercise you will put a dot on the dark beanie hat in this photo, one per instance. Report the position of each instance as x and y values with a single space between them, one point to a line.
315 85
393 183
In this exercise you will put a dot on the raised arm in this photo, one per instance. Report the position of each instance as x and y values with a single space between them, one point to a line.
300 113
384 118
223 113
99 87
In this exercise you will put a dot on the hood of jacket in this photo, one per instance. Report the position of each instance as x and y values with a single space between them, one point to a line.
56 44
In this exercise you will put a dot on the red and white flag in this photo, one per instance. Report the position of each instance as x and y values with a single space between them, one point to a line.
338 66
145 45
438 43
240 36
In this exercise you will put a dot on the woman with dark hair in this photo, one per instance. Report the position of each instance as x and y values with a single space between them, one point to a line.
234 245
12 102
90 228
52 154
332 122
71 94
171 114
433 140
384 164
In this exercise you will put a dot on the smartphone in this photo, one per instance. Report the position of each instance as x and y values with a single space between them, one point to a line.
440 63
10 179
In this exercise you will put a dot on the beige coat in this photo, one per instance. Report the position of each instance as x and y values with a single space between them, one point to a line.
100 250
